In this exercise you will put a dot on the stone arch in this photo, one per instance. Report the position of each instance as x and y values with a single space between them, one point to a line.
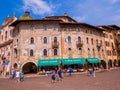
115 63
110 63
29 67
119 62
103 63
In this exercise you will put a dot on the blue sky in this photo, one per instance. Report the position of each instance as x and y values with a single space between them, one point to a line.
94 12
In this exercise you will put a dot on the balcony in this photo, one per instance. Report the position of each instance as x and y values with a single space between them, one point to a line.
55 44
7 42
99 46
79 44
70 56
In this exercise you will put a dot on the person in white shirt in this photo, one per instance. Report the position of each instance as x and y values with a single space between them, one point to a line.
18 76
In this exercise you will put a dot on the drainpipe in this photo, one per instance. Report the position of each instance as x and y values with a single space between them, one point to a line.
61 48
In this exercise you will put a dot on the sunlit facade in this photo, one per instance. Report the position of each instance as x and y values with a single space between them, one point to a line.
53 38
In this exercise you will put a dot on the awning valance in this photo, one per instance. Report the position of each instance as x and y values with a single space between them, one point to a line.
49 62
69 61
93 60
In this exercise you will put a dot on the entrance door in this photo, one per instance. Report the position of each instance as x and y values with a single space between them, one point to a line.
29 67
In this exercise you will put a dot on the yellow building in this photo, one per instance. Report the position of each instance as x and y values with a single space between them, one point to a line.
110 45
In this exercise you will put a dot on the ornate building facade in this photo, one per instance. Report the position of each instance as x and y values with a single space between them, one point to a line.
55 38
6 40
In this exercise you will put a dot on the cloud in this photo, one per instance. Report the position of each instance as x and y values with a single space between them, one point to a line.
113 1
116 18
80 18
38 7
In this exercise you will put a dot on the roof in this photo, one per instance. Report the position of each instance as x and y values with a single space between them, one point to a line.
84 24
53 17
105 27
109 27
24 17
115 27
32 20
7 21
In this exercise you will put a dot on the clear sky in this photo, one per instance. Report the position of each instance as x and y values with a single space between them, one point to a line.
94 12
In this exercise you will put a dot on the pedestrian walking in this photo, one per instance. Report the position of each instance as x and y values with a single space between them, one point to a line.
14 74
93 70
1 68
60 74
21 76
108 68
90 72
70 70
53 77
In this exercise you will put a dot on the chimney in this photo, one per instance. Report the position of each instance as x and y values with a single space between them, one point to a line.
65 14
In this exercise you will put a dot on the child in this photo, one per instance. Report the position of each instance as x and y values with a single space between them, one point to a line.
22 76
18 76
53 77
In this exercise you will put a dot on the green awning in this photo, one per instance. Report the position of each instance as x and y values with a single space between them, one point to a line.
49 62
93 60
69 61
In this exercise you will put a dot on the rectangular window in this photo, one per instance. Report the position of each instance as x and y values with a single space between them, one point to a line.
45 28
110 36
78 29
32 28
68 29
54 28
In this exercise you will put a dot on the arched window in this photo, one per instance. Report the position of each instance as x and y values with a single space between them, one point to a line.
45 39
69 39
87 40
5 35
88 51
93 51
15 52
31 52
101 42
55 39
55 52
96 41
32 40
92 41
79 39
69 51
79 51
45 52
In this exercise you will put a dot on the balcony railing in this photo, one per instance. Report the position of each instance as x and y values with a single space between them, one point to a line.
7 42
79 44
99 46
55 44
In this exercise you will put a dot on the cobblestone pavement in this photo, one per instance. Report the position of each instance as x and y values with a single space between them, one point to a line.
103 81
